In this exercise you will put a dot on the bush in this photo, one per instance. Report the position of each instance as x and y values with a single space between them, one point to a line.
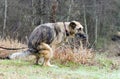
80 56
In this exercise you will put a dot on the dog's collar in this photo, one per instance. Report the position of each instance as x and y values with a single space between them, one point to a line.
66 31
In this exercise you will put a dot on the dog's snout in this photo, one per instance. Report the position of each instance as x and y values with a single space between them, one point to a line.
82 36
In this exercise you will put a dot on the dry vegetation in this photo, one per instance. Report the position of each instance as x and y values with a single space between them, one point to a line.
64 54
9 44
81 56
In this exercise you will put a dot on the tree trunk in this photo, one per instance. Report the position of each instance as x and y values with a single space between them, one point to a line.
53 13
5 18
96 22
70 8
85 23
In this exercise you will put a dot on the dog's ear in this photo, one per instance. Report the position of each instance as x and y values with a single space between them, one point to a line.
72 25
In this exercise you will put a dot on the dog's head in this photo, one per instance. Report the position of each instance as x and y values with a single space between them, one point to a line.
75 28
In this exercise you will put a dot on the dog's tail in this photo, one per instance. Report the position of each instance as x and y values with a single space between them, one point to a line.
22 54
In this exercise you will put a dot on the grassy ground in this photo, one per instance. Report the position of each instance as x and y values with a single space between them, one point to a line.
21 69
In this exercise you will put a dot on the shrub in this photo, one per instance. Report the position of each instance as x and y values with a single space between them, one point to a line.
81 56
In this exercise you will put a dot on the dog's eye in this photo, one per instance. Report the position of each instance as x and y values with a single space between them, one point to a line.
79 29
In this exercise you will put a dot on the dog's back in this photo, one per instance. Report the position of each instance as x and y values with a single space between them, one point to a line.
43 33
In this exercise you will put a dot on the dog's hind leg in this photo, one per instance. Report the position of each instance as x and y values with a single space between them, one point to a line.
47 62
47 53
47 57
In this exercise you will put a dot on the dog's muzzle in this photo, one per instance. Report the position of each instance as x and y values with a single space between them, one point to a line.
81 36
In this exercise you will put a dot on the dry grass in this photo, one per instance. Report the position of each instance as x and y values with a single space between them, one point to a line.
81 56
11 44
8 43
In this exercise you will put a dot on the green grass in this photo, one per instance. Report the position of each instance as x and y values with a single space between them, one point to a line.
20 69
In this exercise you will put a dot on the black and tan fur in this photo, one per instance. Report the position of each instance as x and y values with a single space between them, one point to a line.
46 37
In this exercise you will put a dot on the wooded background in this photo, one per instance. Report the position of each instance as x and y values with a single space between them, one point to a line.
100 18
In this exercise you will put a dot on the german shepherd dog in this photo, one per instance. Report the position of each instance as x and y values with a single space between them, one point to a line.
46 37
